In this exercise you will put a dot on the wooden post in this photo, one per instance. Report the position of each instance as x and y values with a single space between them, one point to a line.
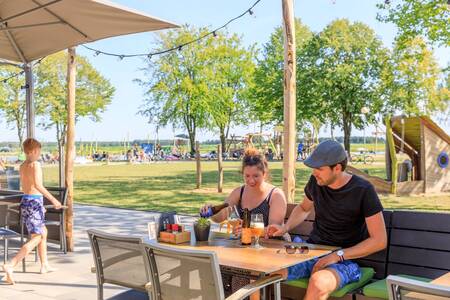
220 167
392 155
70 144
289 100
199 169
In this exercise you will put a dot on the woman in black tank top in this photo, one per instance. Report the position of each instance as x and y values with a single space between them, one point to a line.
257 195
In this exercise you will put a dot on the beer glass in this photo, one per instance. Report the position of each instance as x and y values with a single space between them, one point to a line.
257 226
234 221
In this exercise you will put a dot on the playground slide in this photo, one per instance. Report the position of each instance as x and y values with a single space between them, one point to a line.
381 186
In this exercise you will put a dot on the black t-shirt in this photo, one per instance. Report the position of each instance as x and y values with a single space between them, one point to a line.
341 213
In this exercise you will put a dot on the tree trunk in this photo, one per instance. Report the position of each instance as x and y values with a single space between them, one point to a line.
223 139
220 169
347 124
199 169
191 133
20 136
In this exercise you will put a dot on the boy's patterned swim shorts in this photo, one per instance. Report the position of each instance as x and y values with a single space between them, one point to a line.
33 213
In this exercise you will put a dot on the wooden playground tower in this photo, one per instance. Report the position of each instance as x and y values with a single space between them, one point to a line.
428 148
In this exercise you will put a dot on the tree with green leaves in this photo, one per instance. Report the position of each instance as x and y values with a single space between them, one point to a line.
339 72
93 93
12 100
416 86
429 19
267 91
176 84
201 86
231 67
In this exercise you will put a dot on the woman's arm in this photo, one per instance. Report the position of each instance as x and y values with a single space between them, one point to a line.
278 207
232 199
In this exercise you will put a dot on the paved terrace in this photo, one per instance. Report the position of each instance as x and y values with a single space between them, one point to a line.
73 280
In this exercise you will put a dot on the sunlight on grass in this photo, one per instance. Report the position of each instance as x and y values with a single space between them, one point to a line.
169 186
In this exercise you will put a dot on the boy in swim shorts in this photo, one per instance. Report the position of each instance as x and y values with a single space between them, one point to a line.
32 209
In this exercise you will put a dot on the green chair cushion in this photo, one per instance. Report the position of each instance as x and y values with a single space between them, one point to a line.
367 274
378 289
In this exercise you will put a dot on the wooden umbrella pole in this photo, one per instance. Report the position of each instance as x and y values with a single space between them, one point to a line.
289 100
70 144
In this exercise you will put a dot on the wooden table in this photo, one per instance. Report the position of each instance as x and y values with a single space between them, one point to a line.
443 280
253 263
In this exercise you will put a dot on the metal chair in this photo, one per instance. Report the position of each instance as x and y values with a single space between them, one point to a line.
181 274
118 260
5 232
405 288
57 217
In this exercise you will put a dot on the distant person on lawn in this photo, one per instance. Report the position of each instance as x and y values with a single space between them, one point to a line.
349 215
32 209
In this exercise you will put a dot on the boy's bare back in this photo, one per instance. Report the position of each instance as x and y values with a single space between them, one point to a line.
31 177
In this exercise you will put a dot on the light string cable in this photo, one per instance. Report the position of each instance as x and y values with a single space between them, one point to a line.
5 80
178 47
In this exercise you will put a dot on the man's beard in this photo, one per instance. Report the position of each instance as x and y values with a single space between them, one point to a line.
330 181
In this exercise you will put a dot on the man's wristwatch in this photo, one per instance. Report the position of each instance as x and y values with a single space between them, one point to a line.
340 254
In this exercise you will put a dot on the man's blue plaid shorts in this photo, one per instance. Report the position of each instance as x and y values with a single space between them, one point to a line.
347 270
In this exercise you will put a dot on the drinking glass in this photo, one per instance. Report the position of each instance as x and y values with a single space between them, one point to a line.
257 226
151 228
234 221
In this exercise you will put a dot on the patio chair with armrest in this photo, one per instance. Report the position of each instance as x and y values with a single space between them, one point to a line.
407 288
57 217
181 274
5 232
118 260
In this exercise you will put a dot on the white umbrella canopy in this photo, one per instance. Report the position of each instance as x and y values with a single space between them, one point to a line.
31 29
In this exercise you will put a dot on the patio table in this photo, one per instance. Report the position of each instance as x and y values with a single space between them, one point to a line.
442 280
250 262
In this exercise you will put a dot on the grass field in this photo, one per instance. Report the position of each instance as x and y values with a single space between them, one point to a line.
167 186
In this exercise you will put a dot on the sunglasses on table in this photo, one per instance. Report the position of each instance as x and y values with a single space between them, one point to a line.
291 249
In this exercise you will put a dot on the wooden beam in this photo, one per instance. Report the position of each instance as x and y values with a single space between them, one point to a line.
199 168
391 146
70 144
289 100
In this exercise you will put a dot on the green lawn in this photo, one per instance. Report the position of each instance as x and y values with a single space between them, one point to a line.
171 186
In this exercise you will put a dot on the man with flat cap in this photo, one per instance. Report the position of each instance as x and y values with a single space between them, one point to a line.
349 215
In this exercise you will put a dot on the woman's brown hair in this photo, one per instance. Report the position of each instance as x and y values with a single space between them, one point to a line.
252 157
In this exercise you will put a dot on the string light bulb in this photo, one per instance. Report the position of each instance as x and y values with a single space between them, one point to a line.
121 57
97 53
215 34
250 11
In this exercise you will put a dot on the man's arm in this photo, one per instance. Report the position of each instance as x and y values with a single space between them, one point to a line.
376 241
298 215
37 172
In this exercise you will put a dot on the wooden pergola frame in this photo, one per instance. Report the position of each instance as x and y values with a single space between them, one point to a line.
289 84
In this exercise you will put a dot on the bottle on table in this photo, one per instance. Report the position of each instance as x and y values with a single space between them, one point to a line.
246 234
212 210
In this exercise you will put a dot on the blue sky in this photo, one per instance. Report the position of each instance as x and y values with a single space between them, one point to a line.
120 121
